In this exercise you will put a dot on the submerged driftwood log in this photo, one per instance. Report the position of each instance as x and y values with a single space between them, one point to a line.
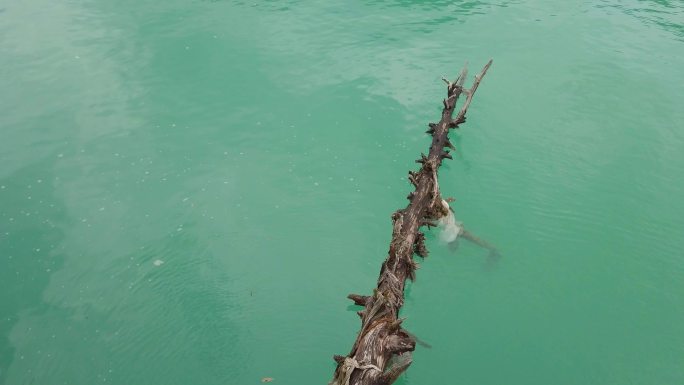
382 350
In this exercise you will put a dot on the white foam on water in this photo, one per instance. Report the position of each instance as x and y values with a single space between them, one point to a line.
449 226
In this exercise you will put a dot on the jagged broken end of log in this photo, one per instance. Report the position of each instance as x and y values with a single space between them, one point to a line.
382 350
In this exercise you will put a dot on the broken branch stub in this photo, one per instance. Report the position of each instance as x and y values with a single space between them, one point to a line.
382 350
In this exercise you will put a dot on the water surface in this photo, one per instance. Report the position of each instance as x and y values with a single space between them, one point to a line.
257 150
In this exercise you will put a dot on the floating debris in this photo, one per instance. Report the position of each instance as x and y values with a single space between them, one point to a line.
158 262
267 379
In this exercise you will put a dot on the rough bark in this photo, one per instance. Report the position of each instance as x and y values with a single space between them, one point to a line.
382 350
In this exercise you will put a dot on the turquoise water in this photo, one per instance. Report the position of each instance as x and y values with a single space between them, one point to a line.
188 190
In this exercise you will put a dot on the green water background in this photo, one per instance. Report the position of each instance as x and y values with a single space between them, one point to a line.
258 150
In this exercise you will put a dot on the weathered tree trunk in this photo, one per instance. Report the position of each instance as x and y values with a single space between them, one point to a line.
382 350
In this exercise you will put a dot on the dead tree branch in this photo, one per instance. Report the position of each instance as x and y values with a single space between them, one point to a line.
382 350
